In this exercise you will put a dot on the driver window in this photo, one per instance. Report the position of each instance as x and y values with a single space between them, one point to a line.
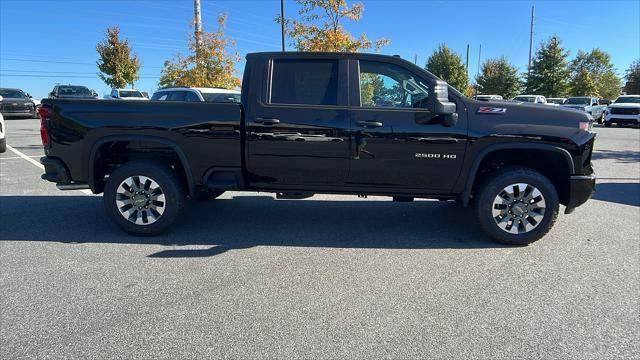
391 86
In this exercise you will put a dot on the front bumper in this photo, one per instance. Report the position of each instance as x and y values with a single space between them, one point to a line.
581 187
622 119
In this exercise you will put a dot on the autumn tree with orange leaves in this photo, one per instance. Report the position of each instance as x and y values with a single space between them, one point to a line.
320 28
210 66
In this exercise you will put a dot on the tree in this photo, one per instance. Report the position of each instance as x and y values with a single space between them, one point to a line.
499 77
597 64
448 66
583 84
632 76
320 27
117 65
549 72
210 66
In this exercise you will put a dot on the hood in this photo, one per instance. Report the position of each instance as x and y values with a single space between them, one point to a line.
625 105
16 100
526 120
76 97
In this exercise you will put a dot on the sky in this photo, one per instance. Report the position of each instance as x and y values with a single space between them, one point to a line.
47 42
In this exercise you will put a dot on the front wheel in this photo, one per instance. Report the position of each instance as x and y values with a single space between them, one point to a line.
517 206
143 197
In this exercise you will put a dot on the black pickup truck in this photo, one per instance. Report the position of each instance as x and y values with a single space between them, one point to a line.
340 123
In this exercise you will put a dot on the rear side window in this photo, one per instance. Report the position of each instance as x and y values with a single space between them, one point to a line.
177 96
160 96
191 96
301 81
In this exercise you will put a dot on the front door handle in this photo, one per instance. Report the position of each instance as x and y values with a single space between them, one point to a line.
267 121
370 124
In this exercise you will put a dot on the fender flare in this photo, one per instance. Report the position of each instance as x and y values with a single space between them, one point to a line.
465 196
113 138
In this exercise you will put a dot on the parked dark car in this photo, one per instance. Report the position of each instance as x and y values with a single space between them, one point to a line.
408 136
72 92
16 103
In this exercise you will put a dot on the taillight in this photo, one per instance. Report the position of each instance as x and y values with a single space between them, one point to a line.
45 113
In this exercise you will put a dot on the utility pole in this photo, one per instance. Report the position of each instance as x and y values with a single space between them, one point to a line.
530 41
478 73
467 63
282 22
415 59
198 25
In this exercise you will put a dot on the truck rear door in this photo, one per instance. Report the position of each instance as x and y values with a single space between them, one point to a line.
298 130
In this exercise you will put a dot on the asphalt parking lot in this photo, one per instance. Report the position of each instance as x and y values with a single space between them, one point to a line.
251 276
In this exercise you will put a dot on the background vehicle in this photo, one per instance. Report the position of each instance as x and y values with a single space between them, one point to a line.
125 94
557 101
624 111
487 97
217 95
147 157
16 102
3 140
72 92
587 104
535 99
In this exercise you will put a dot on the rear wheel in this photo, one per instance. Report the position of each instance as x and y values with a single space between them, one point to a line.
143 197
517 206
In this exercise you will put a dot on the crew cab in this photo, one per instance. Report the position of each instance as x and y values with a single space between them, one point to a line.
338 123
77 92
624 111
588 104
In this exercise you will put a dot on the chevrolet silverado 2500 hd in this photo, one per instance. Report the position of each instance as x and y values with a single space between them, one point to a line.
340 123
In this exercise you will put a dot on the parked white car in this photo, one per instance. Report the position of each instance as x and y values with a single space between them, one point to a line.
534 99
624 111
487 97
217 95
556 101
3 140
125 94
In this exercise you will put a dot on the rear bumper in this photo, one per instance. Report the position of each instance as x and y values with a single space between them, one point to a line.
580 189
55 171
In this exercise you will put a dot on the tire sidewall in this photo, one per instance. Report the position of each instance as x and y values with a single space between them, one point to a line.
496 184
166 179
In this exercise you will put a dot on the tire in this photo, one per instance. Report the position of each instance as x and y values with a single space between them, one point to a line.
601 119
530 220
207 195
129 187
3 145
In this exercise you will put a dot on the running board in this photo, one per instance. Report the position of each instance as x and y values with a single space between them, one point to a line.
72 186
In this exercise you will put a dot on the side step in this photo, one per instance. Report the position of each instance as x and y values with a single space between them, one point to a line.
294 195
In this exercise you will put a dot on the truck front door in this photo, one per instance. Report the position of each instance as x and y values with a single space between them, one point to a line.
298 132
397 143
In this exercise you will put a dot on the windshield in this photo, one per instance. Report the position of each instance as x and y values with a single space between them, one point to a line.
525 98
130 94
74 91
12 94
224 98
578 101
555 101
628 100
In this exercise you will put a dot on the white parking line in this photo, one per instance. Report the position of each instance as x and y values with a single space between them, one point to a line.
85 191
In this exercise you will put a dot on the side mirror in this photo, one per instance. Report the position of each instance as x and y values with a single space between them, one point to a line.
50 94
94 93
29 96
440 105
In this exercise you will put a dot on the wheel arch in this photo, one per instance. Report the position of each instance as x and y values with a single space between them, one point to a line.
560 160
97 186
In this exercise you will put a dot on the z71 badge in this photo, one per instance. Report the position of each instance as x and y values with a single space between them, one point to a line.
491 110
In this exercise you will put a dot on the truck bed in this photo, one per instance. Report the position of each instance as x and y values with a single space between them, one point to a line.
80 128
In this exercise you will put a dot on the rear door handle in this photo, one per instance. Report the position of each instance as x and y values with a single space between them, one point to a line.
267 121
370 124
